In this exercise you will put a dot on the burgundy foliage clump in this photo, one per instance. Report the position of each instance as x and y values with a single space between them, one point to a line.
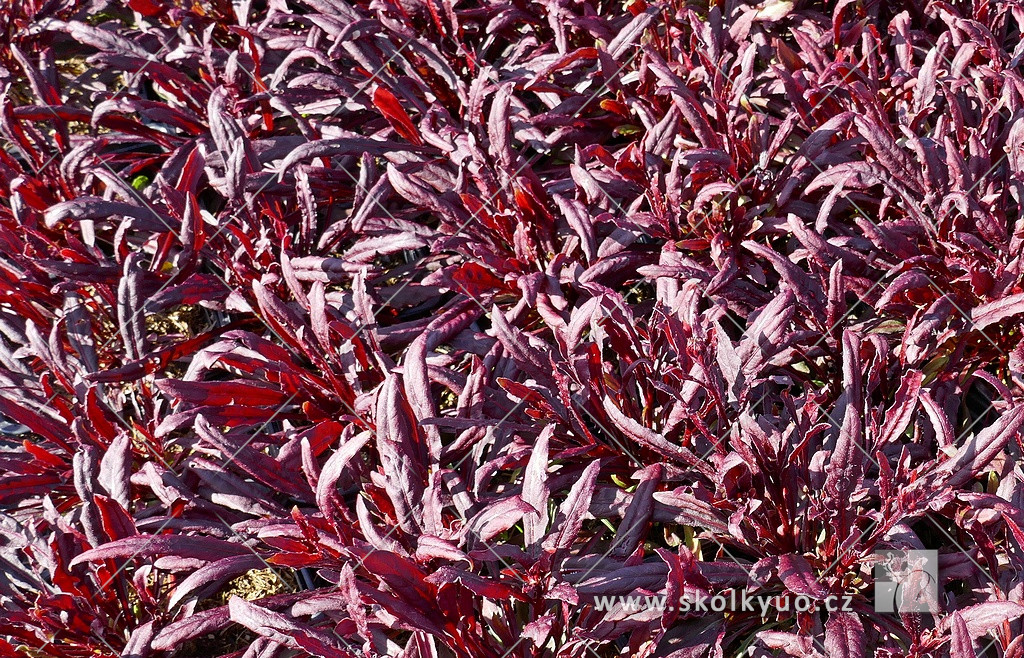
459 314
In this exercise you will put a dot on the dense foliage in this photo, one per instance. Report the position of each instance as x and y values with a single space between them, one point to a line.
458 314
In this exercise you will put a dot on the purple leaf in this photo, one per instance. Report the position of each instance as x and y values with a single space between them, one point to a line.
798 576
206 579
535 489
115 470
651 439
335 466
147 546
972 458
984 617
403 454
997 310
569 520
844 636
498 517
961 642
284 630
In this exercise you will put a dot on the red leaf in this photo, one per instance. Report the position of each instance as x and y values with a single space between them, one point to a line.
224 393
146 7
476 280
43 455
396 115
116 521
294 560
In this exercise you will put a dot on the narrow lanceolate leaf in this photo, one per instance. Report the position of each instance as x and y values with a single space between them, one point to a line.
498 517
335 466
129 311
979 451
961 643
86 208
621 580
80 331
767 333
845 466
898 416
116 468
114 519
345 146
183 630
224 393
417 380
206 579
147 546
535 489
997 310
633 528
681 507
572 511
631 33
577 217
396 115
237 452
981 618
1011 514
527 356
139 641
651 439
403 454
279 627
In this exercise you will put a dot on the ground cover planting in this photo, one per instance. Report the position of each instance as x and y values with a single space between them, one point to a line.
421 328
